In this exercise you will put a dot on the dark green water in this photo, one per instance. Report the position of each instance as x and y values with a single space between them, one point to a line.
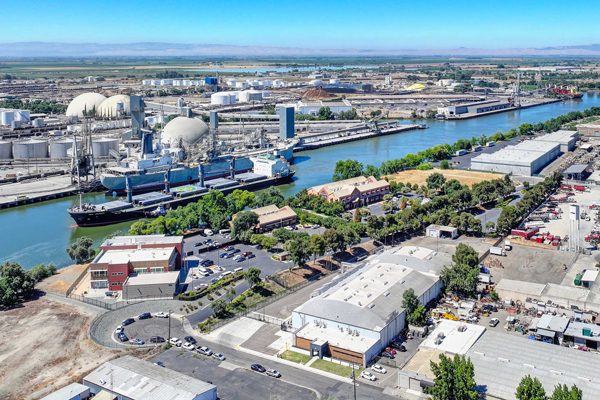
40 233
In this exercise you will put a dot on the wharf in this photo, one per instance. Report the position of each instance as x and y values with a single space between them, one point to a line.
38 190
483 114
349 135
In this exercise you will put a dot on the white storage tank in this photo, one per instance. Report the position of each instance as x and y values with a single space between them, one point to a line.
316 82
30 148
249 96
7 117
102 146
334 81
5 150
37 123
22 115
223 98
61 148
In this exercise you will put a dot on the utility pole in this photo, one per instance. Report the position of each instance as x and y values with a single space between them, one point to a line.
354 379
169 337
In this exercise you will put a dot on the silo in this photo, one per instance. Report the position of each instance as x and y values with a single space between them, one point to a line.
22 115
60 148
30 148
5 150
102 146
7 117
37 123
221 98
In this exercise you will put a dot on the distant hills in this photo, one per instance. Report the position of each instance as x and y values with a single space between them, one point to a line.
157 49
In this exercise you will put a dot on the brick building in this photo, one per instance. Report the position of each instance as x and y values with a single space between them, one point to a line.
353 192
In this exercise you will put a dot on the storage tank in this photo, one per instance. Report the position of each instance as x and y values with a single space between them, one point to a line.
30 148
60 148
5 150
7 117
223 98
249 96
334 81
37 123
102 146
22 115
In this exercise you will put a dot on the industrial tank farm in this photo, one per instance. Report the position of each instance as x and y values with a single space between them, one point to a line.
102 146
114 107
84 103
5 150
187 130
30 148
61 148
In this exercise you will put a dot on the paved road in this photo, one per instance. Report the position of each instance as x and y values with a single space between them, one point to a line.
244 384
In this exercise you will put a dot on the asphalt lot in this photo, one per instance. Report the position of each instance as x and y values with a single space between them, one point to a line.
235 380
146 328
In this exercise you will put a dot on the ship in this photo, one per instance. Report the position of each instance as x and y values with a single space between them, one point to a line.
565 92
269 170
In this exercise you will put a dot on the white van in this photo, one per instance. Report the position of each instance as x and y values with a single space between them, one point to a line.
226 273
208 232
238 269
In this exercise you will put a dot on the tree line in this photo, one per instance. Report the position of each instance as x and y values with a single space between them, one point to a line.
35 106
18 285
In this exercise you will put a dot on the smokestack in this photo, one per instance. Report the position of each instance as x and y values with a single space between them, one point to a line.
167 173
201 174
128 189
232 168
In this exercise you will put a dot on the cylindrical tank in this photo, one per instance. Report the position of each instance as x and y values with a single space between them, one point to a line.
102 146
60 148
7 117
37 123
30 148
22 115
334 81
221 98
5 150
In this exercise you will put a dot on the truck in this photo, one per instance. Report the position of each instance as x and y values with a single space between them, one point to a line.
497 251
580 188
507 245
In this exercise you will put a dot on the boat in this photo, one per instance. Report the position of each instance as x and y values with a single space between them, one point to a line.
269 171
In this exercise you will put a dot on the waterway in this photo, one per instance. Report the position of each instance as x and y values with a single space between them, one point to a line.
41 232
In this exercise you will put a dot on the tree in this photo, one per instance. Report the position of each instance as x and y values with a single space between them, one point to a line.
219 308
463 275
298 249
41 271
316 245
16 285
562 392
345 169
238 200
81 250
444 164
530 389
269 196
409 300
325 113
454 379
418 317
266 242
243 225
252 276
435 181
465 254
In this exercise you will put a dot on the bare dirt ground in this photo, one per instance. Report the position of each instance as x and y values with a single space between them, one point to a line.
464 177
63 280
45 346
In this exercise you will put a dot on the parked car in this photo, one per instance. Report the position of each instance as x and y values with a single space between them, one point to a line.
119 330
160 364
238 269
387 355
214 280
229 248
189 346
248 254
208 232
198 244
205 350
258 368
190 339
489 308
127 321
238 258
378 368
200 286
145 315
494 322
137 341
369 376
206 263
175 342
229 254
390 350
161 314
398 346
157 339
274 373
219 356
223 254
123 337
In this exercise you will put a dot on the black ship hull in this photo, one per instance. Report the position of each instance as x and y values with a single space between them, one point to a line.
91 218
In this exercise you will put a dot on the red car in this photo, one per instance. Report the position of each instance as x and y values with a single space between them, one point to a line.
390 350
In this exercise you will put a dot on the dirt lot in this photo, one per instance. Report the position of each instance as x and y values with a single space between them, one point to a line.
46 346
60 282
464 177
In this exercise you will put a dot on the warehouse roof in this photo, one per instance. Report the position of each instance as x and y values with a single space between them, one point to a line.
138 379
371 295
553 323
458 337
561 136
576 169
142 239
501 360
336 337
135 255
523 153
576 329
156 278
523 287
68 392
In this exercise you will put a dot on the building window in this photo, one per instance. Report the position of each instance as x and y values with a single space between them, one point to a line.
157 270
117 273
141 270
99 274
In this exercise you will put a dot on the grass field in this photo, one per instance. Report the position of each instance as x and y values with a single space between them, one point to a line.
468 178
334 368
295 357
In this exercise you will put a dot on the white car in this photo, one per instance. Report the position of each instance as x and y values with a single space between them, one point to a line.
189 346
119 330
205 350
369 376
219 356
200 286
378 368
274 373
161 314
208 232
175 342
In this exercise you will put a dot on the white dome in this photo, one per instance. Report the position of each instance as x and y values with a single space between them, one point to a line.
108 108
84 102
189 130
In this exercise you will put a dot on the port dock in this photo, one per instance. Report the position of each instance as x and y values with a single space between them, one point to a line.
332 138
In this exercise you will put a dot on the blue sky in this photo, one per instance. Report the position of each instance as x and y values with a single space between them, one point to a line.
375 24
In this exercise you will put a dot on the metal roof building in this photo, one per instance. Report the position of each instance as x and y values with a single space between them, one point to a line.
133 379
525 158
501 360
359 314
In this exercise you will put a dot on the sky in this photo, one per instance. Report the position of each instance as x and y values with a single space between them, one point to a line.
343 24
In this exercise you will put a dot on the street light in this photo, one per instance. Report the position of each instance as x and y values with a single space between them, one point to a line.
169 337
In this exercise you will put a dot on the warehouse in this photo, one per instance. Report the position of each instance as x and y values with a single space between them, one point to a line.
440 231
566 139
152 286
130 378
589 130
526 158
355 317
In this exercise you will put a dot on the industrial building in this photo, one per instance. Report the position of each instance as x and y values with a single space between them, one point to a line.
313 107
124 256
440 231
152 286
355 317
473 108
589 130
129 378
528 157
74 391
353 192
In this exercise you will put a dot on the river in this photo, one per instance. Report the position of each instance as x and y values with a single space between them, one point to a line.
41 232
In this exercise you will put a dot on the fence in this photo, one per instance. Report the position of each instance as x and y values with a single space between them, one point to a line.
114 305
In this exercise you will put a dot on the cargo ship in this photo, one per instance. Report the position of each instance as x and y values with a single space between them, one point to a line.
268 170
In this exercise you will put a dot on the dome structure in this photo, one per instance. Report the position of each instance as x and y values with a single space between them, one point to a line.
189 130
87 102
114 106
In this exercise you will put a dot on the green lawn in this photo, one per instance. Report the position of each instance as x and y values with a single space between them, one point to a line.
295 357
334 368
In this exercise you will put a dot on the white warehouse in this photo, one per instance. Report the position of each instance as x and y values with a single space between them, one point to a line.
354 318
528 157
